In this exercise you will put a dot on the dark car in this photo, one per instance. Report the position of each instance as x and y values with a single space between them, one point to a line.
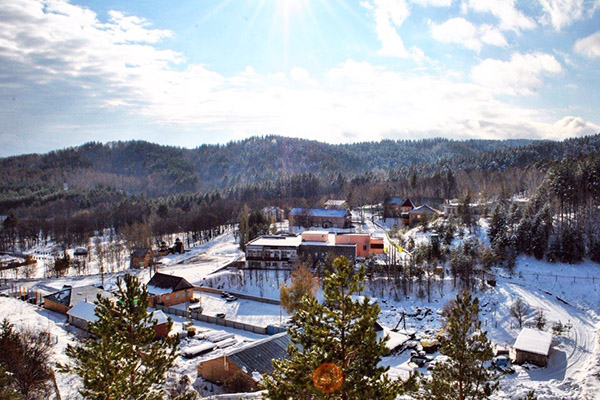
220 315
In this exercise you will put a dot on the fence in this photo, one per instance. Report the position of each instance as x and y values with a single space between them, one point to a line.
238 295
268 330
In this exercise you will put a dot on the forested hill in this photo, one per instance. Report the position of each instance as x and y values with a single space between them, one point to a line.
144 168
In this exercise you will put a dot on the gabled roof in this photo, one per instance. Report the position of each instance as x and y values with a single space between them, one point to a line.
399 201
84 310
70 296
423 209
534 341
319 212
141 252
168 282
257 356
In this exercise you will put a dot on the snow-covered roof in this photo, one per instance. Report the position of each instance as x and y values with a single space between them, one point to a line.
423 209
276 240
335 203
160 317
84 310
534 341
319 212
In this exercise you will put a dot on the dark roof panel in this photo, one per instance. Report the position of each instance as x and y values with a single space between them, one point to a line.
258 356
171 282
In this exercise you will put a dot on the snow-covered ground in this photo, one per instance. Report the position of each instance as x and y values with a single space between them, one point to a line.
566 293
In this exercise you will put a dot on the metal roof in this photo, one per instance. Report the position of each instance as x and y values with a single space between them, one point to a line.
258 356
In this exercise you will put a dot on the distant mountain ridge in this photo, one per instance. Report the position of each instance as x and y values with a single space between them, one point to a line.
154 170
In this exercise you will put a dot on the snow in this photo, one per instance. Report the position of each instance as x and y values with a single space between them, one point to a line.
534 341
84 310
566 293
155 290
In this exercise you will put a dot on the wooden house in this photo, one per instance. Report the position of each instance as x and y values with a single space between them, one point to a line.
63 300
417 214
533 346
142 257
255 358
393 207
169 290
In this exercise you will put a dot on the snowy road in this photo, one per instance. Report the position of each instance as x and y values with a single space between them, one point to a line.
572 356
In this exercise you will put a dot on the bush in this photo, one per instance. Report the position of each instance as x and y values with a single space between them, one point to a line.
191 331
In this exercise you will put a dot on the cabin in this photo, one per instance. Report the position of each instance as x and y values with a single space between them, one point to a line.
393 207
142 257
532 346
417 214
320 217
255 358
66 298
169 290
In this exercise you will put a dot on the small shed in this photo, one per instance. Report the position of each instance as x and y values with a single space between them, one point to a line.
82 314
533 346
142 258
256 358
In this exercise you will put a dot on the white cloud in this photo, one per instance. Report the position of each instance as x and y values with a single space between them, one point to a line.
463 32
589 46
434 3
570 126
506 11
522 75
389 16
562 13
70 69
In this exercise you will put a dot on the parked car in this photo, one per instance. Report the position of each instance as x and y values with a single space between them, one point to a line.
230 298
419 360
224 294
220 315
195 307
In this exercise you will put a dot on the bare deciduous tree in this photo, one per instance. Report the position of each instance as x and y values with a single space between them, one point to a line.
519 310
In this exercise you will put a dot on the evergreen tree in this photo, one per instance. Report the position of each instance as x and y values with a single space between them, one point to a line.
335 351
6 391
123 361
463 376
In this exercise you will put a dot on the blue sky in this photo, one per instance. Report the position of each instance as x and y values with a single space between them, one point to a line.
206 71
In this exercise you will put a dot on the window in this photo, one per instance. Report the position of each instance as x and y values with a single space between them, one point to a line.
167 298
176 295
364 247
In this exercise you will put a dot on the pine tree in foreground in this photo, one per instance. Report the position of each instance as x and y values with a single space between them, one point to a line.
335 351
463 376
122 361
